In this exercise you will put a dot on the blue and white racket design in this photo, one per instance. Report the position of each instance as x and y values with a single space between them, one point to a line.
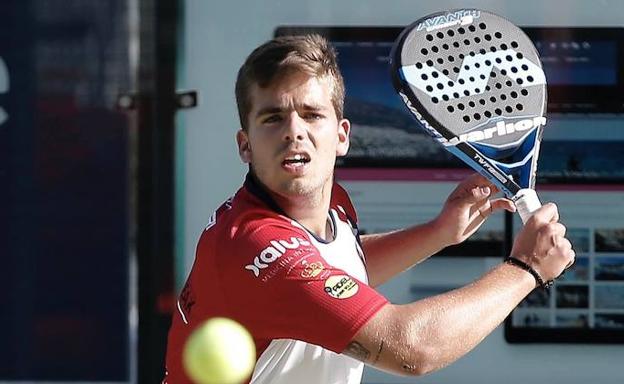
475 83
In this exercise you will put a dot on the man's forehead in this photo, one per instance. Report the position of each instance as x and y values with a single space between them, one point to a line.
294 90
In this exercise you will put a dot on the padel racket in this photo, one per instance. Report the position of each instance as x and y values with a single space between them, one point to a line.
474 82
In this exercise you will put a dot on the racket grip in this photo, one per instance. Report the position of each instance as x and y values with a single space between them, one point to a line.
527 202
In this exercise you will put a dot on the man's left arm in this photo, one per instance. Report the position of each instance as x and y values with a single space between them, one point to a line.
467 207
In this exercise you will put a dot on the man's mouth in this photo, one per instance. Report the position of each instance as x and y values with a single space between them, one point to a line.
298 159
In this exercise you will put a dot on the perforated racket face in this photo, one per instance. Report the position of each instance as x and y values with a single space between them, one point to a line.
471 76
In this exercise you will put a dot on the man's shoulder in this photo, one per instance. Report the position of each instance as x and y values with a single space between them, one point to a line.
243 218
342 203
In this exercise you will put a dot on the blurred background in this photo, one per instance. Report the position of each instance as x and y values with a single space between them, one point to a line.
117 124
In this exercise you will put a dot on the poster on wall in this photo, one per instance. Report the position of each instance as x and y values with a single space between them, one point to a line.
586 304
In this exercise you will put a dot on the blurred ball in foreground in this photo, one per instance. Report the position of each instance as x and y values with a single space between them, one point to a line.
220 351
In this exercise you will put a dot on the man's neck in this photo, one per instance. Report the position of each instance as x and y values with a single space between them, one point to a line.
309 211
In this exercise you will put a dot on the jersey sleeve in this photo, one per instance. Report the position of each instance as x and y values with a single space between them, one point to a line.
282 288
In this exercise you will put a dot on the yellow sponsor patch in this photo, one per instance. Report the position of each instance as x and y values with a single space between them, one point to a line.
341 286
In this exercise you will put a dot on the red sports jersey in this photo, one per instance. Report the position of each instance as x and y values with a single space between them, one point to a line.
301 298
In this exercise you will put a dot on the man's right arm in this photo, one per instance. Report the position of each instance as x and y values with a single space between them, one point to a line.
429 334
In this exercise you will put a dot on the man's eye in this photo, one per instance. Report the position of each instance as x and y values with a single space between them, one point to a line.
271 119
313 116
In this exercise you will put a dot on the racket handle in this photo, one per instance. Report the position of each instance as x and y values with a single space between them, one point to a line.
527 202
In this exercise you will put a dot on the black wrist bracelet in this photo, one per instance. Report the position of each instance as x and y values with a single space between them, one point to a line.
521 264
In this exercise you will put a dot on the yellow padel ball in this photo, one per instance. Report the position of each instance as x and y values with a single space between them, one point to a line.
220 351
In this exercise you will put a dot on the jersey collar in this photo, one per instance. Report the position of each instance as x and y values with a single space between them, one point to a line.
253 185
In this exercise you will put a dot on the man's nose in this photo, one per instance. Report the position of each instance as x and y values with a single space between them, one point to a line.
294 128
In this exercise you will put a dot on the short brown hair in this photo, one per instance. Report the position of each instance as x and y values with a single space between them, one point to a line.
310 54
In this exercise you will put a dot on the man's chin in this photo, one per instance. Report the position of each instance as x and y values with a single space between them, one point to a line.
298 188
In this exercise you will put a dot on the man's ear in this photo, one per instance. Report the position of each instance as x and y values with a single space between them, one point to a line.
344 130
244 150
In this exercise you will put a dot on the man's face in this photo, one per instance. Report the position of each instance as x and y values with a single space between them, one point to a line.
293 135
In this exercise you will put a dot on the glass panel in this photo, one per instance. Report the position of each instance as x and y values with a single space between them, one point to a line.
64 191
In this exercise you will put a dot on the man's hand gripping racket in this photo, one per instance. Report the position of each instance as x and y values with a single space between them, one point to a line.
475 83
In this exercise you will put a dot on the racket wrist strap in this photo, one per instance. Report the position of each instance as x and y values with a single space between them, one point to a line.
522 265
